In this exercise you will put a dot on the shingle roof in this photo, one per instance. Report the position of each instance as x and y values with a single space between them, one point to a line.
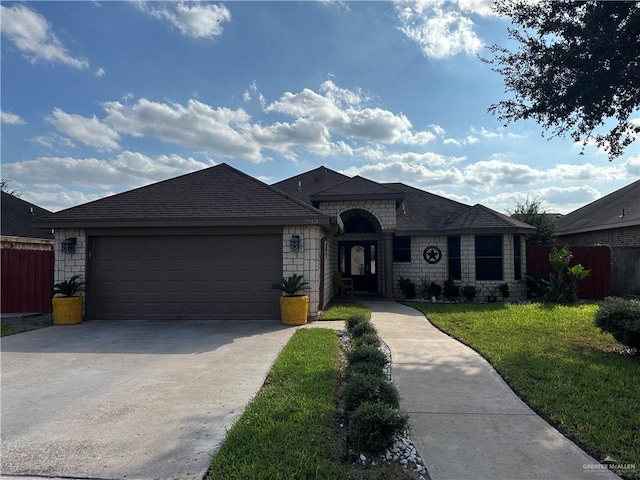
357 188
605 213
309 183
481 219
17 215
219 195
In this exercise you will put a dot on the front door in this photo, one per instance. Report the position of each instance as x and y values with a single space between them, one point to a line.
358 261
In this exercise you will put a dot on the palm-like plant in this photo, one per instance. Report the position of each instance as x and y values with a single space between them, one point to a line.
291 286
69 288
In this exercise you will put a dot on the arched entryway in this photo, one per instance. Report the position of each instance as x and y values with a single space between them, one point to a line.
358 250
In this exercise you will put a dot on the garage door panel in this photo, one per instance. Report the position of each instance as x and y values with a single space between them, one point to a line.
173 277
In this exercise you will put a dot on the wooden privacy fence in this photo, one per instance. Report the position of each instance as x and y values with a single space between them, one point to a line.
27 276
597 259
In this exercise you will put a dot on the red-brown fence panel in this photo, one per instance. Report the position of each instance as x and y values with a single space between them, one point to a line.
27 276
597 259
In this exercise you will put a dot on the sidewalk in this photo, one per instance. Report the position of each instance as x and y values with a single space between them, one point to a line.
466 423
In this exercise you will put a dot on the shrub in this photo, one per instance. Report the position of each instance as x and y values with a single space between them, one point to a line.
354 320
374 426
621 318
363 328
364 369
362 387
451 290
504 290
469 292
407 287
366 339
367 354
434 289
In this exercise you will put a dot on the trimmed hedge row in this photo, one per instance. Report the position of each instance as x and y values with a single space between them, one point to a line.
371 400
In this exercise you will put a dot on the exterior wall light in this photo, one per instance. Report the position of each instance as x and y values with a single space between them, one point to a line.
69 245
294 243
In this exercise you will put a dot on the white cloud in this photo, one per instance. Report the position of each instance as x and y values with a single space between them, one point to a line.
61 199
222 131
440 27
90 131
31 33
486 174
193 19
566 199
53 141
125 170
100 72
11 118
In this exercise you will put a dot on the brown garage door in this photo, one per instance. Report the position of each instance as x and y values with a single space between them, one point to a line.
208 277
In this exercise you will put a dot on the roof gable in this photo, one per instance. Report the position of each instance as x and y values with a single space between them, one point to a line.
213 196
309 183
357 188
605 213
17 218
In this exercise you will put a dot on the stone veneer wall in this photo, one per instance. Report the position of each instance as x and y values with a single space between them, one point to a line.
69 264
306 261
438 272
383 210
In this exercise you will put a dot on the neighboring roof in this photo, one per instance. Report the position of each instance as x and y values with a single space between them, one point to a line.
616 210
309 183
216 196
357 188
17 215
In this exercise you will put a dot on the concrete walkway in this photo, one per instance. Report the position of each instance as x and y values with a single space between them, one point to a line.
465 421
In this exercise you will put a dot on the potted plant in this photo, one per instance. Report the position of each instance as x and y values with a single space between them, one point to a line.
67 307
294 305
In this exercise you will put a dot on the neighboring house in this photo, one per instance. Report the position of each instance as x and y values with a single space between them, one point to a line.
613 220
210 244
16 228
27 258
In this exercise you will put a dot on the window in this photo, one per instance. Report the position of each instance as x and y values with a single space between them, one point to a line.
517 258
402 249
454 257
359 224
488 257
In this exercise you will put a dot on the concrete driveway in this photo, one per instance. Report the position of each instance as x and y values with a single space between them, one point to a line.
134 400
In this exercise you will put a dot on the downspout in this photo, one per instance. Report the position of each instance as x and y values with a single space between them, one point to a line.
336 227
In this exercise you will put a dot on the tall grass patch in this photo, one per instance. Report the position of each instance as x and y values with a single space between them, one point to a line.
563 366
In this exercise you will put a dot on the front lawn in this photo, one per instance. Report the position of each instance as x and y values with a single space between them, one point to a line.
342 311
564 367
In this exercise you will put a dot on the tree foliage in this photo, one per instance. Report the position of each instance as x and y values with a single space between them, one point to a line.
4 186
531 212
576 69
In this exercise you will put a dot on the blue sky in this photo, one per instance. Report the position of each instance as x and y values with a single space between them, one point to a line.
102 97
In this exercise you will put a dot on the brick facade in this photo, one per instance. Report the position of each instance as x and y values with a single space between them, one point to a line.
69 264
614 237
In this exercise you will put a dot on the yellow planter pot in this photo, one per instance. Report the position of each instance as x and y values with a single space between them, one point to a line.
294 310
67 310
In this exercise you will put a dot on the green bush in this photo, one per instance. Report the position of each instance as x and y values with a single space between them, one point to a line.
366 339
374 426
362 388
367 354
364 368
363 328
354 320
621 318
451 290
407 287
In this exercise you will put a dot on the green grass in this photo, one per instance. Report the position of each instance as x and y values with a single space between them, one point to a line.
561 365
342 311
288 431
10 330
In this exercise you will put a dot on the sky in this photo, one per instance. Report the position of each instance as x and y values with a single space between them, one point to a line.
102 97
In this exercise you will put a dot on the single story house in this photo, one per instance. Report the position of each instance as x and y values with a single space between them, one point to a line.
208 245
613 220
16 229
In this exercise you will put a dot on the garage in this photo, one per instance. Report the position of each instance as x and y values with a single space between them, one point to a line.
191 277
